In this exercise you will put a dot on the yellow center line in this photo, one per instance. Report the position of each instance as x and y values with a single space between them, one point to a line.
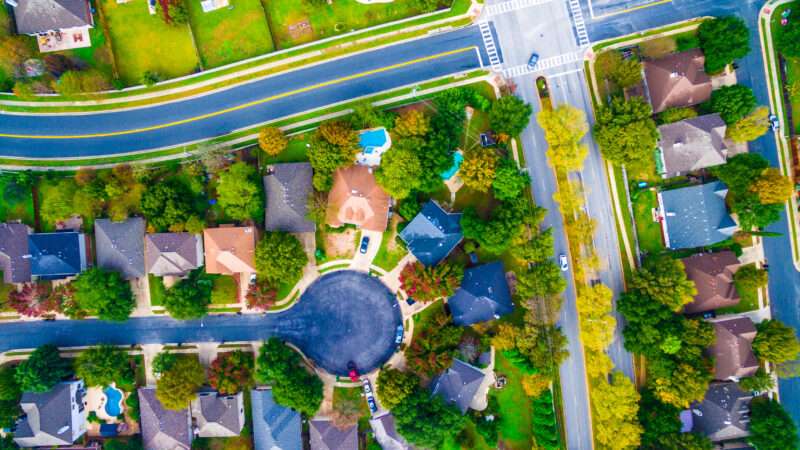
248 104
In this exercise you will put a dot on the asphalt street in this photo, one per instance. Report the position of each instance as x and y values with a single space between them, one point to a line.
344 316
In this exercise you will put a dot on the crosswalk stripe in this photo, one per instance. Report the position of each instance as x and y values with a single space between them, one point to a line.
512 5
543 64
488 43
580 25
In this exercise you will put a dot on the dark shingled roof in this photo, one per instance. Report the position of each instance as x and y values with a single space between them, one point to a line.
13 249
733 350
287 188
432 234
172 253
48 419
712 274
37 16
120 246
677 80
274 426
218 415
57 255
458 384
723 414
163 429
325 436
483 295
696 216
693 144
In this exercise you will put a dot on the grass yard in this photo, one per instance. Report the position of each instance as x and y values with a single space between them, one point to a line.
230 34
793 78
296 151
387 259
341 394
286 287
157 290
99 55
4 291
297 22
649 232
516 411
16 202
143 42
477 124
224 291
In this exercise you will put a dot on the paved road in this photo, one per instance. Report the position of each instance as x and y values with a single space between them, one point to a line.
344 316
245 105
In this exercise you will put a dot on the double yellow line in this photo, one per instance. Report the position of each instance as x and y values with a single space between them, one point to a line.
244 105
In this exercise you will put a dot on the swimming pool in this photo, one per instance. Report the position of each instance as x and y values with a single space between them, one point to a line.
113 401
457 158
372 139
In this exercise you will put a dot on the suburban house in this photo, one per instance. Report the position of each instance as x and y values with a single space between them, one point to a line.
230 250
385 432
325 436
51 418
733 350
56 24
459 385
692 144
724 413
14 261
677 80
695 216
432 234
287 188
120 246
58 255
357 199
218 415
275 427
163 429
483 295
172 254
712 274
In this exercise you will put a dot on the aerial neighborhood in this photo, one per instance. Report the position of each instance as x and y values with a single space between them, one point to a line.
399 224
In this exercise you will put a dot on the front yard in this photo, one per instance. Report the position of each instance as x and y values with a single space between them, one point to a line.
516 417
16 202
230 34
647 230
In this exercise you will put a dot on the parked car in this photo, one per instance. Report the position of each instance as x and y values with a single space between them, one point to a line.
364 245
774 123
352 371
370 395
410 301
534 59
563 262
398 334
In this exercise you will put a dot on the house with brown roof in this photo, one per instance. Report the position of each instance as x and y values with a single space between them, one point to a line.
172 254
677 80
230 250
712 274
692 144
733 350
357 199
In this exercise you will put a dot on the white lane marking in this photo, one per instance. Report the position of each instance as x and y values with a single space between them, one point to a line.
580 25
488 43
512 5
543 64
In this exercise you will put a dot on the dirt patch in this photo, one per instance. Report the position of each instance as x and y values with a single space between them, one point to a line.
391 242
340 245
300 29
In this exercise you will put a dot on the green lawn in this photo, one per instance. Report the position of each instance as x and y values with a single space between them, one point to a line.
350 394
477 124
516 430
99 55
16 202
296 151
649 232
157 290
143 42
310 22
386 259
748 301
230 34
224 290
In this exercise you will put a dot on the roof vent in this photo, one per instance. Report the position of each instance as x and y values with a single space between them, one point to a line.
63 429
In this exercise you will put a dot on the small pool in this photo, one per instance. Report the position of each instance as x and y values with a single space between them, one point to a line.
113 401
372 139
457 158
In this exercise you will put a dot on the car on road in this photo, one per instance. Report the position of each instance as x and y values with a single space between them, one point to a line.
398 334
534 59
352 371
563 262
370 395
364 245
774 123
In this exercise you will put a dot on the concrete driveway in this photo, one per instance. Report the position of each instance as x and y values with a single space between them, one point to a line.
362 261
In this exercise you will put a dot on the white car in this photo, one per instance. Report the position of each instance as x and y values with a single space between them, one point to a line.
563 262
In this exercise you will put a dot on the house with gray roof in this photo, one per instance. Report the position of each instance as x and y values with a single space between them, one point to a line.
287 188
325 436
14 261
483 295
385 432
120 246
692 144
51 418
695 216
58 255
432 234
724 413
217 415
458 385
275 427
40 16
173 254
163 429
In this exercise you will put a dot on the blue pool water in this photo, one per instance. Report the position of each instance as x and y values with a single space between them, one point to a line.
457 158
370 139
113 400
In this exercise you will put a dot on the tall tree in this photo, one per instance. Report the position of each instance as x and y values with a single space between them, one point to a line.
189 298
496 234
732 103
167 203
595 306
178 386
771 427
614 413
776 342
272 140
338 132
509 182
42 370
478 168
664 280
231 372
395 385
788 38
326 157
626 133
750 127
103 293
509 115
238 192
772 186
433 350
430 283
723 40
280 257
426 421
540 280
292 384
103 365
411 122
400 169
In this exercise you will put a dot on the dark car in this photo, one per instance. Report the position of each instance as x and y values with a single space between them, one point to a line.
352 371
364 244
370 395
533 61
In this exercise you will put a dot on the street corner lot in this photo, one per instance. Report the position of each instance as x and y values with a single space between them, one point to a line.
230 34
143 42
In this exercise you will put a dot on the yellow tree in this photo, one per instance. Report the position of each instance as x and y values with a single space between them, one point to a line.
478 168
772 186
411 123
569 198
751 127
272 140
614 413
594 310
564 125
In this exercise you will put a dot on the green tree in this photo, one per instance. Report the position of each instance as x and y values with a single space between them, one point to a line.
732 103
178 386
740 171
395 385
280 257
662 427
509 115
400 170
272 141
760 381
231 372
10 394
723 40
496 234
509 182
103 365
751 127
292 384
614 413
412 122
628 73
771 427
535 250
433 350
104 294
189 298
73 82
626 133
788 38
238 192
430 283
776 342
540 280
163 362
43 369
167 203
671 115
772 186
664 280
325 158
478 168
748 280
426 421
365 115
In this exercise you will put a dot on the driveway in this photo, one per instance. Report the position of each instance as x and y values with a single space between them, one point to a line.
362 261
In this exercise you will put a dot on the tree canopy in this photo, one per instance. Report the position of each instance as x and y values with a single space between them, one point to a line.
433 349
750 127
103 365
509 115
178 386
43 369
292 384
723 40
732 103
746 176
166 204
334 145
478 168
412 122
614 413
400 170
395 385
776 342
540 280
189 298
664 280
280 257
430 283
272 140
239 192
626 133
509 181
771 427
497 233
230 373
788 38
104 294
662 427
426 421
564 127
